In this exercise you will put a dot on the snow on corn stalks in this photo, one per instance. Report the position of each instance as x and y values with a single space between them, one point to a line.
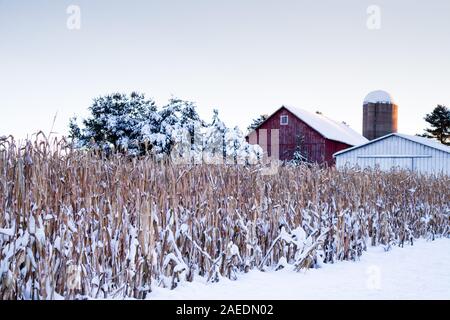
76 225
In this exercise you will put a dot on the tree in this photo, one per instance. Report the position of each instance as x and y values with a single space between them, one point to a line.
162 139
186 136
300 155
190 120
235 146
116 122
257 122
214 146
439 120
135 126
224 145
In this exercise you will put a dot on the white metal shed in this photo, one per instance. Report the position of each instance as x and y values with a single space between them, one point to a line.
397 150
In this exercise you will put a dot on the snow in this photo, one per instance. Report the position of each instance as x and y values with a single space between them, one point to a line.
421 271
7 232
234 250
329 128
421 140
174 130
379 96
425 141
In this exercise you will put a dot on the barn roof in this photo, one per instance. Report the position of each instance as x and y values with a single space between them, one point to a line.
421 140
328 128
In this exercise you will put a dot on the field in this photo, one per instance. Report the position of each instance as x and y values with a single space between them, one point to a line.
74 224
418 272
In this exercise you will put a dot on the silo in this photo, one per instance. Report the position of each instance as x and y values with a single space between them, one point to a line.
380 115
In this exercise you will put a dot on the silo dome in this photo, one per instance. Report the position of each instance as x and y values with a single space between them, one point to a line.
379 96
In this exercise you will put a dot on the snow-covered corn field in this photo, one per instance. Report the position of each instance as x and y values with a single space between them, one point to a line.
75 225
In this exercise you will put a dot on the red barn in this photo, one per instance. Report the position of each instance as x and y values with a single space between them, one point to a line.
314 135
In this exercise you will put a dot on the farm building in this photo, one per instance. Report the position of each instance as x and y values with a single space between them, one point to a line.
380 115
315 136
398 151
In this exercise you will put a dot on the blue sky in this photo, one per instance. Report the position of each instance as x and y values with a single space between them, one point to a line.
243 57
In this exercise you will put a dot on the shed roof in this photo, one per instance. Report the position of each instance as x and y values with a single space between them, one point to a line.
421 140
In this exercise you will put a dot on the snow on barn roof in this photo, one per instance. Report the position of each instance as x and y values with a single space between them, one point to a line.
329 128
421 140
379 96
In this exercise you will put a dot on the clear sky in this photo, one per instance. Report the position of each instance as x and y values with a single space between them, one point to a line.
244 57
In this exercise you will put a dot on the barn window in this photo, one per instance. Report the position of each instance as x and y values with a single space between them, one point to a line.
284 120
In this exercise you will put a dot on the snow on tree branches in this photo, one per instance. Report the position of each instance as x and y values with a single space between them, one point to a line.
134 125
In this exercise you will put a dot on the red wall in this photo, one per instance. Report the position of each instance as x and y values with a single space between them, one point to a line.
331 148
315 146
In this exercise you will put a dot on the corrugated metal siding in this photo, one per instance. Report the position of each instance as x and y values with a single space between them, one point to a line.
437 161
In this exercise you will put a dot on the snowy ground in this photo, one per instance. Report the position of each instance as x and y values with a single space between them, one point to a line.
418 272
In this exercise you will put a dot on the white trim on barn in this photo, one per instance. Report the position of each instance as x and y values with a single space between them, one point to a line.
398 151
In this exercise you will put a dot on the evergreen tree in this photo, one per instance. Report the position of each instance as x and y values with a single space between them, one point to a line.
190 120
214 148
439 120
187 134
115 123
134 126
257 122
163 139
299 156
236 151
